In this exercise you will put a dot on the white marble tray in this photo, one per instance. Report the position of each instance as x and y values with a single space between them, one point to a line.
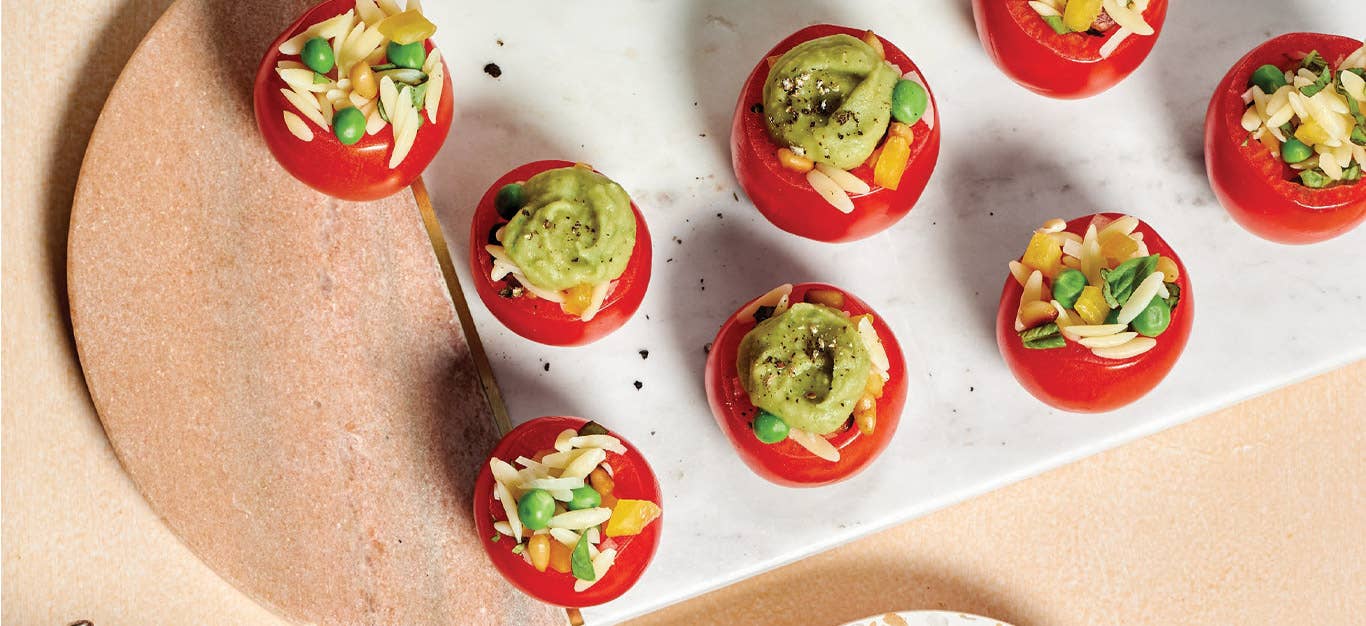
644 91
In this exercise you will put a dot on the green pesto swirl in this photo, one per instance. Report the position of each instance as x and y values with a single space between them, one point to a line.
576 228
832 98
809 366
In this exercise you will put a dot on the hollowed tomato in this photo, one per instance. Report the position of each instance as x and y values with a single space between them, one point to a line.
1059 66
1073 379
786 462
633 479
1257 188
541 320
357 172
784 196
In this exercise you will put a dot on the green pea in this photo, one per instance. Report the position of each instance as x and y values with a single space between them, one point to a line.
410 56
317 55
769 428
536 508
349 125
1067 287
1269 77
1294 151
585 497
510 199
1154 319
909 101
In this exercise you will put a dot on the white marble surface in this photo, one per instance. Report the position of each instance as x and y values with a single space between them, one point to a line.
644 91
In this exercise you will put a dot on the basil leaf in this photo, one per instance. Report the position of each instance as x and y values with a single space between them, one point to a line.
1106 291
420 95
580 562
1358 135
1040 332
1314 62
1352 107
1044 337
1175 295
519 548
1318 85
1315 179
322 79
496 537
1047 343
1055 22
592 428
1123 279
384 115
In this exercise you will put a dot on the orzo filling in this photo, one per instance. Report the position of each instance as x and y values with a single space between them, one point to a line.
363 70
1115 19
1102 290
1310 116
561 509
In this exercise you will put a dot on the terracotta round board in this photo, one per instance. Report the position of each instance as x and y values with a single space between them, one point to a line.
281 373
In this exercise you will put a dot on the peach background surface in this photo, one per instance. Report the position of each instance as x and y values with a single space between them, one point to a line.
1253 515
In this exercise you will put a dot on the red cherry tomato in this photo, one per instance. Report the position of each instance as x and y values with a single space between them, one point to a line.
1072 378
784 196
1258 189
633 479
356 172
786 462
541 320
1059 66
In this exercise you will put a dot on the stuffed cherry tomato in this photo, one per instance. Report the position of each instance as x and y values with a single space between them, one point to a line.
1069 48
560 252
835 134
353 99
808 383
568 512
1095 313
1285 138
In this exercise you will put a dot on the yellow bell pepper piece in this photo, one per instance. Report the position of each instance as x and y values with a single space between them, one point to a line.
896 152
1043 254
407 27
875 385
1117 247
1311 133
630 517
577 299
1091 306
1272 143
1081 14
